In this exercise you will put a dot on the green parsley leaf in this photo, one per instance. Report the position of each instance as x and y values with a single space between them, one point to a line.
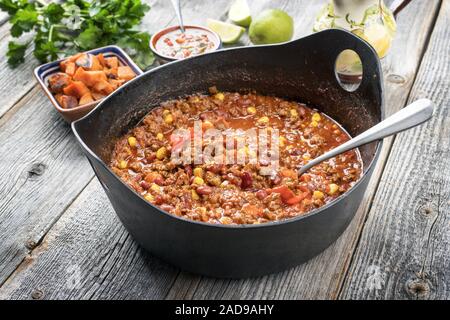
16 53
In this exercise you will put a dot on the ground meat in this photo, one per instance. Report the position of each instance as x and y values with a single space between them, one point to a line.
233 193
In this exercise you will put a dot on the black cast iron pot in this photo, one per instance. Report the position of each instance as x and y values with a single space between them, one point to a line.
301 70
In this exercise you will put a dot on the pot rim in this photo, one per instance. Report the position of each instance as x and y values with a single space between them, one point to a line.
317 211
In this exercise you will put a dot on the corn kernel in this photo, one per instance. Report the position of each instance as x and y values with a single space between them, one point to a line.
318 195
132 141
219 96
165 112
314 123
149 197
333 188
226 220
168 118
198 181
198 172
122 164
195 99
155 187
283 141
160 136
194 195
306 156
294 113
207 125
251 110
316 117
252 154
161 153
263 121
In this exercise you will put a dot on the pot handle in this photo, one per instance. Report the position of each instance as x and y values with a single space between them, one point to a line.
398 5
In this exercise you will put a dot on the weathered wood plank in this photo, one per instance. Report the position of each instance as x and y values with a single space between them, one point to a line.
403 252
89 255
32 205
15 83
43 172
322 277
44 168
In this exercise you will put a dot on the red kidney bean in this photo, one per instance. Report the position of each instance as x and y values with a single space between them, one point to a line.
204 190
261 194
188 170
166 207
246 180
158 200
144 184
150 157
276 179
159 181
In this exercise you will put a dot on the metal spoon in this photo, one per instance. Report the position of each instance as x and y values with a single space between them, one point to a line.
177 7
416 113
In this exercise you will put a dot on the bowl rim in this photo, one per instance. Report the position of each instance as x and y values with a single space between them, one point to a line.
106 49
157 35
369 167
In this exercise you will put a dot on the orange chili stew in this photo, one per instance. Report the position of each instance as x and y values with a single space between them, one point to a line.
236 193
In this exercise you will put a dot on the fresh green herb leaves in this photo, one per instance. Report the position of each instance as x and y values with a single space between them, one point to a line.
16 53
61 29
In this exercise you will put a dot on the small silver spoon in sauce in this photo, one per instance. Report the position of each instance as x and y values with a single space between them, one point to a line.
177 7
414 114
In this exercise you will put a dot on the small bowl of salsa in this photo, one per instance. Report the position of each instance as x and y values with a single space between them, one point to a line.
172 44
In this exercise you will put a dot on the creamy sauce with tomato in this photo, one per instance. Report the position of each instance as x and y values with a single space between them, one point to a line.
179 45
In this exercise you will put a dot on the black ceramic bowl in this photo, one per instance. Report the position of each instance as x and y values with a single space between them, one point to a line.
300 70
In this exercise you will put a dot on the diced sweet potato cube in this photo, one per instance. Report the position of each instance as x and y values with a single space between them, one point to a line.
84 60
76 89
116 83
70 68
67 102
86 98
101 58
95 65
63 65
111 73
74 57
89 78
104 87
125 73
97 95
57 82
112 62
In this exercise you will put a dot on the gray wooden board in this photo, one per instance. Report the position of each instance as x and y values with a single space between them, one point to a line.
323 276
404 248
88 240
34 138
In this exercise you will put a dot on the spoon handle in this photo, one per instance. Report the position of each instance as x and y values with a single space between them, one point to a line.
177 7
414 114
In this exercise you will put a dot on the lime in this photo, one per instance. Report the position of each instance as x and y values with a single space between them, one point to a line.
240 13
228 33
271 26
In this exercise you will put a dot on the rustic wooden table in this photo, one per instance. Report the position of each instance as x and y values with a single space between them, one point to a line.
60 238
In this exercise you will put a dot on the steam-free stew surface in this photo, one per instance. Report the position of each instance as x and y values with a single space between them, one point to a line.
236 193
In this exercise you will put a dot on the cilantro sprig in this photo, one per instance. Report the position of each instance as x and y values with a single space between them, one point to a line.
63 29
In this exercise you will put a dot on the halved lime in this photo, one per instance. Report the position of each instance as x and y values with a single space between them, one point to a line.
228 33
239 13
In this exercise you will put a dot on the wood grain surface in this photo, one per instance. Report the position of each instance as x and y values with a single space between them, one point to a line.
62 240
